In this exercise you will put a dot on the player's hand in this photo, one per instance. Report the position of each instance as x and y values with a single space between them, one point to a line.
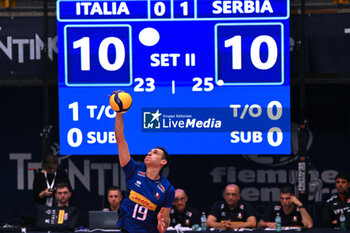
271 225
295 200
228 225
161 222
46 193
109 96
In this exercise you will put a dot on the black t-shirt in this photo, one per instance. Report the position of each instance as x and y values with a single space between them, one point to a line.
39 183
334 206
58 218
187 218
239 214
293 219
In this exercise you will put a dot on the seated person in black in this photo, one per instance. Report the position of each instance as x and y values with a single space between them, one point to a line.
339 202
60 217
114 197
232 213
46 179
181 213
291 210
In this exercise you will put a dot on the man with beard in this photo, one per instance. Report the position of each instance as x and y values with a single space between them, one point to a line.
338 203
291 210
62 216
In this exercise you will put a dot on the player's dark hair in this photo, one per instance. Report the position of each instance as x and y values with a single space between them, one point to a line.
165 155
114 188
343 175
287 189
63 185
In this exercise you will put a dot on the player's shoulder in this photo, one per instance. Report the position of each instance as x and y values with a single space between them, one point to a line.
165 186
332 198
165 182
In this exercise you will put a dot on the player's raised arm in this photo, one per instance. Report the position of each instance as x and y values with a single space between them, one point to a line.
123 149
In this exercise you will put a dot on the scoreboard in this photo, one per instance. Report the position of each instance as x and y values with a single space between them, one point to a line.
206 76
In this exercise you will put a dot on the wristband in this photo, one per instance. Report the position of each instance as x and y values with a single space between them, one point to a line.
300 207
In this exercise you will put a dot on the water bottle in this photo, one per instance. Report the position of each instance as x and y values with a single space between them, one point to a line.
278 221
203 222
342 221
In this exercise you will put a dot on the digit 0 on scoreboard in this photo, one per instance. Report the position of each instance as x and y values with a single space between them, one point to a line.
98 55
249 53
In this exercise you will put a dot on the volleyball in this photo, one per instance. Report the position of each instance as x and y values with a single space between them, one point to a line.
120 101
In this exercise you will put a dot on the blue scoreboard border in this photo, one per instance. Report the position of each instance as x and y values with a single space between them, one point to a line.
95 84
164 19
249 84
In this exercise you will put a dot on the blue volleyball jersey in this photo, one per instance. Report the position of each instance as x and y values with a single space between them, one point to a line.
145 198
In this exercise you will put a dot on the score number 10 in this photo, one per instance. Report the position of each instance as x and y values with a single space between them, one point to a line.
249 53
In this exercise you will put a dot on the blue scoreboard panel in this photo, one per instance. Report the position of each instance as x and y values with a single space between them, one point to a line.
206 76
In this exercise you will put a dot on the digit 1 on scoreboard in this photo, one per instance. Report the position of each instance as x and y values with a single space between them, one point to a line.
74 106
184 9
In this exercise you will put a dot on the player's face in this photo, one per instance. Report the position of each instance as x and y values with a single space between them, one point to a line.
62 195
232 195
180 200
342 185
155 158
51 168
285 199
114 197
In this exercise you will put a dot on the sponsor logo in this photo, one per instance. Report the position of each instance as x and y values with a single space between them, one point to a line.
138 183
61 214
180 119
141 173
189 214
240 216
241 207
151 120
160 186
277 207
142 200
295 218
223 214
187 222
157 195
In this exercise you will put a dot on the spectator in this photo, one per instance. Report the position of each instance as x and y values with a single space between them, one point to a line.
114 198
339 202
291 210
61 217
46 179
232 213
181 213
